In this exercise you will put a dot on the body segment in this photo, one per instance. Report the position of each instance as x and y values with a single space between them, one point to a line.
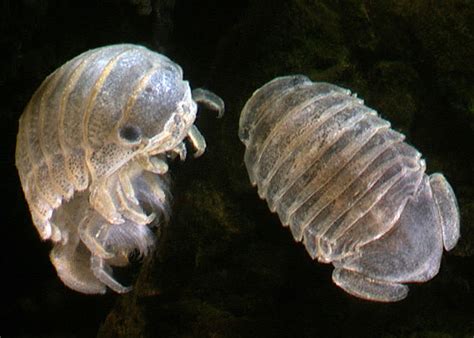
347 186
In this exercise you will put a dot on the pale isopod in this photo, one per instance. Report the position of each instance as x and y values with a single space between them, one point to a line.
347 186
92 151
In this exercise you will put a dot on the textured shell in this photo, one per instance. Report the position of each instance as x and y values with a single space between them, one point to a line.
66 134
91 154
347 186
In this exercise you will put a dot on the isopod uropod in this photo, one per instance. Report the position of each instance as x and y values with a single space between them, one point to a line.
347 186
92 151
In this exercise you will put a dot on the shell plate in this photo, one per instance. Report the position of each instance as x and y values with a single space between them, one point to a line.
347 186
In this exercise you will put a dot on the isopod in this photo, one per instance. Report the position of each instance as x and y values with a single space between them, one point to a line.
348 186
92 151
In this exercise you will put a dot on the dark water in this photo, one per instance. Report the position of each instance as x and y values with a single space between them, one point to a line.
226 267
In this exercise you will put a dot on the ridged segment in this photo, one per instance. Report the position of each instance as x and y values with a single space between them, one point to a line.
277 117
412 251
31 128
37 180
295 133
394 177
409 171
282 110
378 219
97 80
49 114
329 168
295 170
385 171
48 125
279 109
318 196
70 116
262 97
22 158
328 165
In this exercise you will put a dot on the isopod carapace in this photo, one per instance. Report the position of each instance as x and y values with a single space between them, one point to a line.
348 186
92 150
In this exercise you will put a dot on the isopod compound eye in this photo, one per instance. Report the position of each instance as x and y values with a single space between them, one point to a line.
130 135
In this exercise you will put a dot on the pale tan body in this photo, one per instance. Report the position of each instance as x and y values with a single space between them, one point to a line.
99 128
347 186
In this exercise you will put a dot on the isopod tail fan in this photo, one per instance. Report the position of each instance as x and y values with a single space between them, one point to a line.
381 267
447 207
361 286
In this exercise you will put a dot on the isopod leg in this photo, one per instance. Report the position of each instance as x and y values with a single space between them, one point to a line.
127 187
102 200
72 266
103 272
153 164
115 199
180 151
154 192
131 210
209 100
90 231
197 140
447 209
368 288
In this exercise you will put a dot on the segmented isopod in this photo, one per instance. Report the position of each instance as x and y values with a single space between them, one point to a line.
347 186
92 151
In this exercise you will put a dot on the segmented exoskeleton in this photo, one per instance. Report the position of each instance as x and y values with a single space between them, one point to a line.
347 186
92 151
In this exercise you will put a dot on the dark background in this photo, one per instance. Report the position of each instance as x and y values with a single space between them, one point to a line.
225 267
